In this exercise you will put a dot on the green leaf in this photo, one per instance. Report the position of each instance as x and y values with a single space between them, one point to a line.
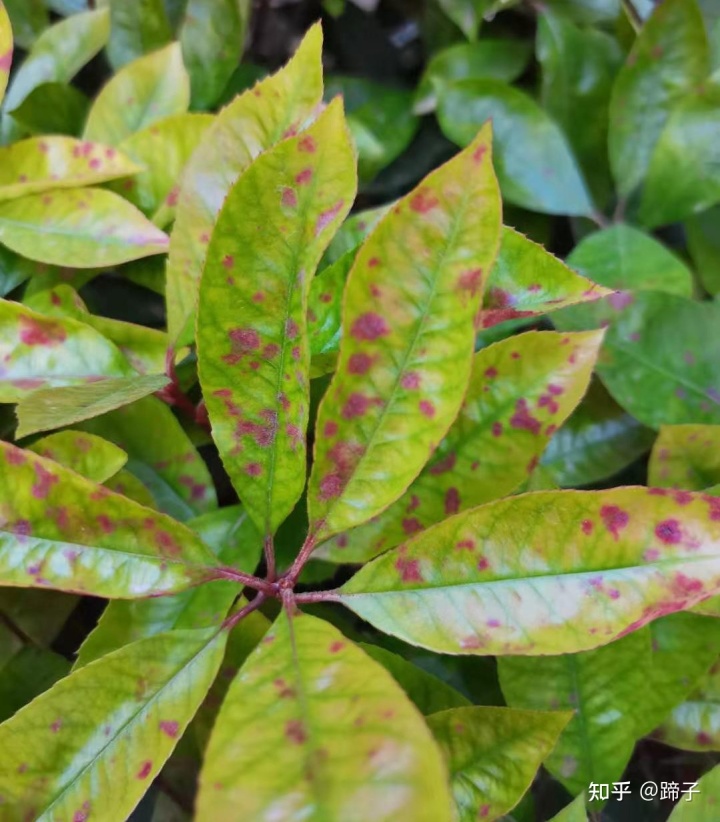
40 352
491 581
26 675
380 118
161 455
602 687
130 708
40 164
427 691
466 14
686 456
578 68
128 485
40 614
416 285
598 441
29 18
353 232
303 693
235 541
694 725
534 162
164 150
90 226
574 812
255 121
669 59
212 35
90 456
6 49
53 108
704 804
500 59
252 341
520 391
136 28
493 755
703 240
526 280
325 309
144 91
50 408
683 177
58 530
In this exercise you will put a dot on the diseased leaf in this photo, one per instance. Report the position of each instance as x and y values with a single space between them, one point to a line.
130 708
252 317
58 530
489 581
128 485
521 390
694 725
601 687
668 60
686 456
493 754
259 118
303 693
212 35
40 352
352 233
534 162
90 226
415 286
325 313
161 455
52 108
704 805
6 49
144 91
49 408
136 28
90 456
40 164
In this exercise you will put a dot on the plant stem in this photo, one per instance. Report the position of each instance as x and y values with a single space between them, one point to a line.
302 557
632 14
173 395
267 587
253 605
317 596
269 550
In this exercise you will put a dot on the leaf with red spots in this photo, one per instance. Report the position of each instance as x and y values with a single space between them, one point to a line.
6 49
275 108
232 537
686 456
252 341
146 90
601 687
59 530
408 333
43 163
122 717
668 60
304 693
526 280
521 390
90 226
549 572
163 149
705 802
493 755
694 725
90 456
41 352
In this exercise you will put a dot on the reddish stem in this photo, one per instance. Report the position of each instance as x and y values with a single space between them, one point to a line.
269 588
173 395
269 550
253 605
318 596
301 559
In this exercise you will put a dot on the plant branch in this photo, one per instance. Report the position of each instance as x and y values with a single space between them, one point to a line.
269 551
173 395
599 219
317 596
633 14
251 606
301 559
267 587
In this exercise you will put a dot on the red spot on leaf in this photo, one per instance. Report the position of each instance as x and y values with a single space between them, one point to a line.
307 145
105 523
467 544
409 569
491 372
523 419
452 501
471 281
295 731
330 428
410 381
445 464
145 769
497 429
171 729
411 526
304 177
254 469
356 406
587 526
45 332
331 486
336 646
228 261
56 725
289 198
668 531
614 519
359 363
369 326
427 408
423 201
44 480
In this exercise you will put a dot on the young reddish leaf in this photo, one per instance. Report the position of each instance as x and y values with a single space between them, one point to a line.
668 60
521 390
91 746
92 457
303 694
252 328
40 352
601 687
493 755
6 49
406 354
686 456
58 530
275 108
526 280
90 226
544 573
704 807
144 91
43 163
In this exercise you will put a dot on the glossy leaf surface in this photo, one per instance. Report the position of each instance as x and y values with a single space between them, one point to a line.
53 108
686 456
694 725
136 28
130 708
90 456
415 286
305 690
252 316
521 390
488 581
61 531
